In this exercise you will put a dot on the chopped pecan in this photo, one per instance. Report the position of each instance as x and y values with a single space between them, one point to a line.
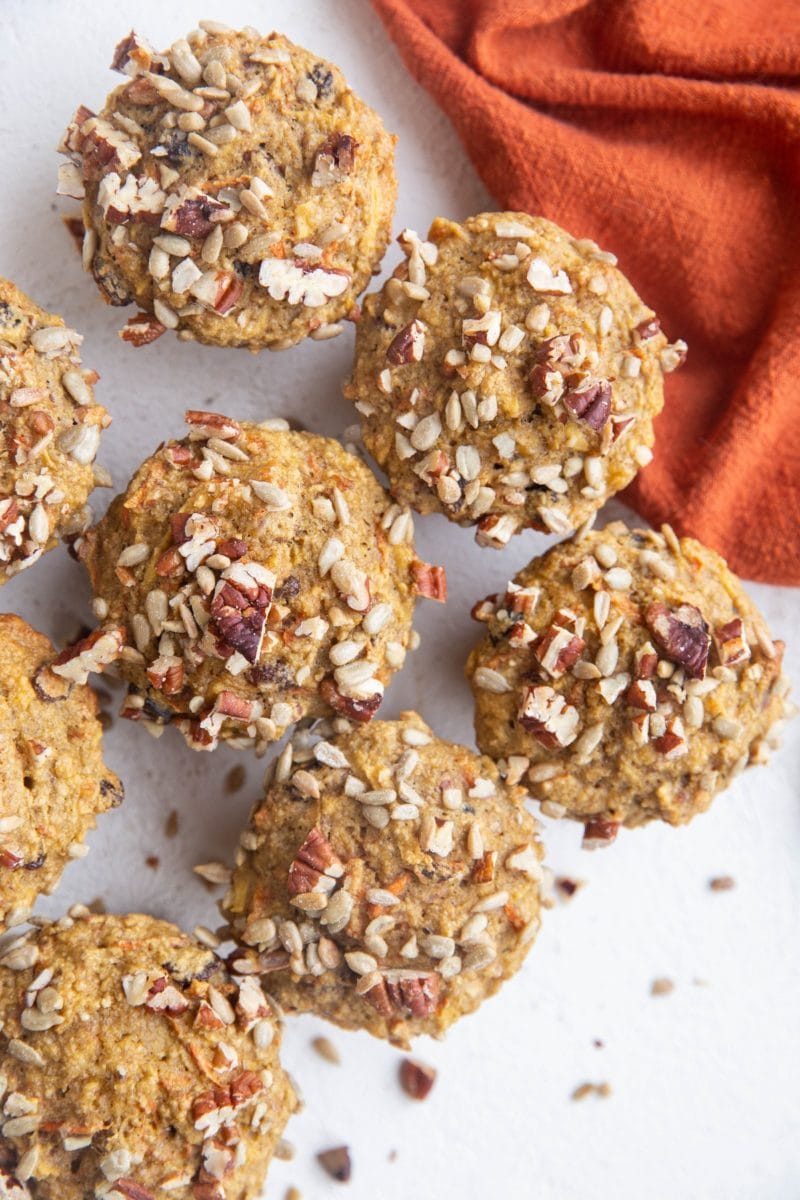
546 715
646 661
336 1162
166 673
141 330
682 634
9 859
314 860
131 55
672 742
483 870
131 1190
211 424
239 620
72 139
193 218
105 149
49 687
558 649
642 694
165 997
408 345
362 710
170 564
431 581
92 653
229 292
232 548
9 511
233 706
521 599
599 832
732 644
413 993
591 404
648 328
334 160
244 1086
416 1078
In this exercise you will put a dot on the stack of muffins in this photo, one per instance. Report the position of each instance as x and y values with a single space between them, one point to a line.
253 581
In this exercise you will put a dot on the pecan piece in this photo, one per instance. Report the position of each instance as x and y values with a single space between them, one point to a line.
682 634
408 345
648 328
131 1190
416 1078
239 624
141 330
362 710
591 404
193 218
9 859
558 649
211 424
315 866
416 994
334 159
599 832
431 581
546 715
165 997
336 1162
732 644
131 55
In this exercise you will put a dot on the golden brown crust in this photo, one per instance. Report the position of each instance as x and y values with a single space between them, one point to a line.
235 188
49 431
630 675
133 1063
53 781
259 576
508 375
389 881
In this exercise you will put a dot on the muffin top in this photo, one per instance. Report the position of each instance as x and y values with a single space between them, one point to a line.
389 880
629 674
53 780
258 576
134 1065
50 429
234 188
508 375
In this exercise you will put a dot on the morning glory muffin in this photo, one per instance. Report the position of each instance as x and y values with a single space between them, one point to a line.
50 427
134 1066
234 188
53 781
256 576
389 881
507 375
629 676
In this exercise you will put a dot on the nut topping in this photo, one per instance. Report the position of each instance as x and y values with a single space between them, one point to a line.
682 634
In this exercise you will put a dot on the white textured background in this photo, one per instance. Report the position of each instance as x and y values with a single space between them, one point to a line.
705 1080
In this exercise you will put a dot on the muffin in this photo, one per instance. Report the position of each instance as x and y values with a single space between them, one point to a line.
53 780
234 188
258 576
629 675
50 428
388 881
507 375
134 1066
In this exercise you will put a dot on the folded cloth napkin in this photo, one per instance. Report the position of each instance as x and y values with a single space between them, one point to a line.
668 131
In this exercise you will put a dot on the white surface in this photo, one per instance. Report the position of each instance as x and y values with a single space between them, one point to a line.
704 1100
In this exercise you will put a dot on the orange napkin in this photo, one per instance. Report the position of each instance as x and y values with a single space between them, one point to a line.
668 131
